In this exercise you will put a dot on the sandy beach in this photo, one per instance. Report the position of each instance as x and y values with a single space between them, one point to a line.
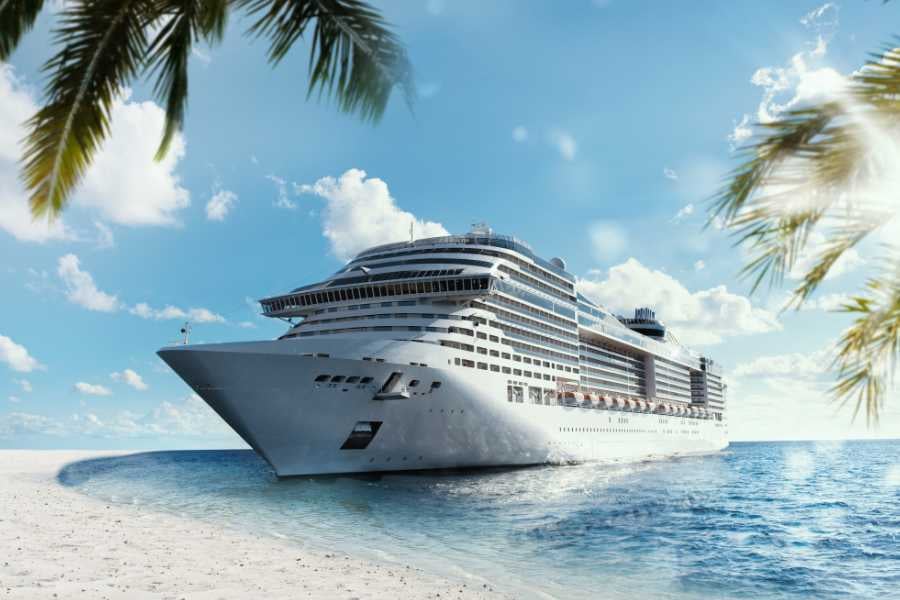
58 543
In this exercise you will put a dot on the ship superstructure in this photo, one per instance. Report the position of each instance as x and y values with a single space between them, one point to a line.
456 351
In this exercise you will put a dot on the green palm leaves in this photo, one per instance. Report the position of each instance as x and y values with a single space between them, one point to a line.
104 44
829 168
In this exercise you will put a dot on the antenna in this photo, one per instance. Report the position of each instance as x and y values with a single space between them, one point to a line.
186 332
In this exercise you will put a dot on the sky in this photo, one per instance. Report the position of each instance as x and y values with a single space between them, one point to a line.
596 131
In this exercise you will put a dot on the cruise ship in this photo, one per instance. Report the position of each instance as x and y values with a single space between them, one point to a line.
455 352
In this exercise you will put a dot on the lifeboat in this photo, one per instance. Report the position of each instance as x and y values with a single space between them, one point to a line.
651 406
620 402
642 406
607 401
670 409
631 404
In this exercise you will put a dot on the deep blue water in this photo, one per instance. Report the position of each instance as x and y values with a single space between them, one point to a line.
760 520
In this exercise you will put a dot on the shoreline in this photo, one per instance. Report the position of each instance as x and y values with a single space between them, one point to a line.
62 544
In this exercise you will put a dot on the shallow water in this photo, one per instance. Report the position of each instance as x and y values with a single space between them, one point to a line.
760 520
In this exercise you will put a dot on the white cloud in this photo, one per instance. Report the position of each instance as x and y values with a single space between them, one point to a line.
16 356
823 16
196 315
14 399
80 287
105 238
17 105
90 389
519 134
131 378
125 184
741 132
24 384
670 174
201 56
684 211
188 417
699 265
19 423
220 204
827 302
564 143
360 213
608 240
797 365
702 317
283 200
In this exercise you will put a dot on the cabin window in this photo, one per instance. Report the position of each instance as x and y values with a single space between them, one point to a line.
337 379
353 379
414 383
482 366
495 368
494 338
435 385
366 380
507 370
468 363
321 378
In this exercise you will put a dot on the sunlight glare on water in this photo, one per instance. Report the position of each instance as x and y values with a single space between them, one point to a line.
796 520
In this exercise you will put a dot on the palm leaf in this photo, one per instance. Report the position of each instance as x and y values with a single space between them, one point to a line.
870 346
103 44
354 57
16 19
185 21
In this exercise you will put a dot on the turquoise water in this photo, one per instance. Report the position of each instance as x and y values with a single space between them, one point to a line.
760 520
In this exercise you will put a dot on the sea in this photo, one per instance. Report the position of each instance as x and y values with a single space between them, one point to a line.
758 520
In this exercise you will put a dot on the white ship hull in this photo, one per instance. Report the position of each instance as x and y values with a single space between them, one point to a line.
266 391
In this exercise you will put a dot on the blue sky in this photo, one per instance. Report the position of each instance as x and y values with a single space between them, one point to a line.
593 130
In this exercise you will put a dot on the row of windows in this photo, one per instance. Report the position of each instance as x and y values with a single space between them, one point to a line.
529 349
513 259
415 328
568 332
535 337
465 362
536 283
618 377
394 275
469 284
549 304
419 261
615 355
527 308
429 316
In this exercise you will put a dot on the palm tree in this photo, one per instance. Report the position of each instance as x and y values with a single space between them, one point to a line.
830 168
102 45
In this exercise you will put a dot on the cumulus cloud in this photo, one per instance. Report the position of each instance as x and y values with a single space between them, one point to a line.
699 265
741 133
197 315
19 423
90 389
360 212
608 240
565 143
283 200
220 204
684 212
701 317
17 105
519 134
125 184
81 289
17 357
186 417
797 364
670 174
802 81
129 377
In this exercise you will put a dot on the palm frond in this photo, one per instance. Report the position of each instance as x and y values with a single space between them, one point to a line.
103 44
16 19
870 346
185 21
354 57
